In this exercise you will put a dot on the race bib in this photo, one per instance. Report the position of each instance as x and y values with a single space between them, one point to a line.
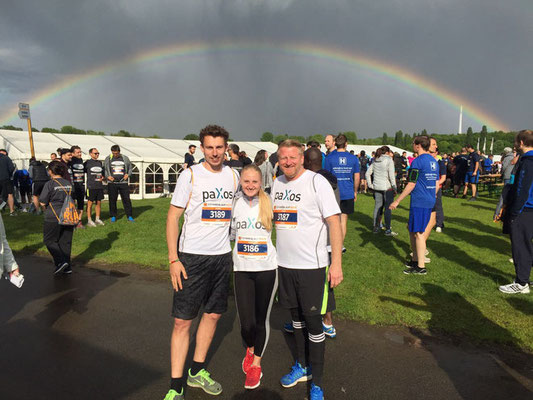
216 214
285 217
252 247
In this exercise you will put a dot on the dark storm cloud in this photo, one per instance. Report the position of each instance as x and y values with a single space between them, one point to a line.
480 48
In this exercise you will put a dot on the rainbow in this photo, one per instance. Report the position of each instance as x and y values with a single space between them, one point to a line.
299 49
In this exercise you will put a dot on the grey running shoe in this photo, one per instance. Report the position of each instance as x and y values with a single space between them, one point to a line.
203 381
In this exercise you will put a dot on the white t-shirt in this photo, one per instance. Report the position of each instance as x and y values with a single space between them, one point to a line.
301 207
207 198
253 250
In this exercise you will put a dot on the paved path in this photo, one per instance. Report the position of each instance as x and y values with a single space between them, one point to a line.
98 335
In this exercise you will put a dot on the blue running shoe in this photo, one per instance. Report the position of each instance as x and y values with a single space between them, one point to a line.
131 219
113 219
287 327
297 374
329 331
316 393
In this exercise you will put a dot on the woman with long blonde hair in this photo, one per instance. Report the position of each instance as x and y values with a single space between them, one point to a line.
255 266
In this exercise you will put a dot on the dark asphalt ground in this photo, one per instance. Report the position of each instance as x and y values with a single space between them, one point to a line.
102 335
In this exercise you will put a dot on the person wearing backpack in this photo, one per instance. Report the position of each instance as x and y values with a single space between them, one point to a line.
59 223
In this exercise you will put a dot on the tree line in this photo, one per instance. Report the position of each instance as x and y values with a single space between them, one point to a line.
447 142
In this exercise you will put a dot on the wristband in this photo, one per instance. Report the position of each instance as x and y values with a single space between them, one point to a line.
173 261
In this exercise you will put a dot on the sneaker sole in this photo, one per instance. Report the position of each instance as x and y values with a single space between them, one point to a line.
520 292
255 386
200 386
302 379
60 269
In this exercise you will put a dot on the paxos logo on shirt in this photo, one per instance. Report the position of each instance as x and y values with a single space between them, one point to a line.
217 194
252 223
343 161
433 165
287 195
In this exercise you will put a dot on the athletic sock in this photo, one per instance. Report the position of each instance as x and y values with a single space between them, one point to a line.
176 384
197 367
326 325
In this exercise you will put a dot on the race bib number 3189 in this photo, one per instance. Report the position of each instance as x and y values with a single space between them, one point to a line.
216 215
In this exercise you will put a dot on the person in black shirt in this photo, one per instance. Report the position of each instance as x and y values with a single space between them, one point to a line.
117 169
57 238
65 157
95 188
78 179
472 172
7 168
189 158
460 162
39 177
234 161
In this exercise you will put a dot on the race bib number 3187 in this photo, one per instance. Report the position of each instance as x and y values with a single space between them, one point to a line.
286 217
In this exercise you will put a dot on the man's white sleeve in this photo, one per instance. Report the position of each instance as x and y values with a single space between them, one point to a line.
183 190
326 197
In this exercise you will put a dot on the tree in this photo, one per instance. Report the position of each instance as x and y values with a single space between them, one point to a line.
155 136
11 128
470 136
424 132
384 139
301 139
50 130
267 137
351 136
72 130
191 136
280 138
91 132
122 133
398 139
317 138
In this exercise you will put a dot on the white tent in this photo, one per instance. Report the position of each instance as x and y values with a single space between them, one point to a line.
156 162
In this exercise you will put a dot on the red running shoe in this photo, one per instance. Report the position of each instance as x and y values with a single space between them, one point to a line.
247 361
253 377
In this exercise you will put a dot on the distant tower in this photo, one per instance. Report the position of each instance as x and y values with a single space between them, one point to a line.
461 121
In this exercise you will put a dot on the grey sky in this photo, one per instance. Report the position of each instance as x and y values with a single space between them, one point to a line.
480 49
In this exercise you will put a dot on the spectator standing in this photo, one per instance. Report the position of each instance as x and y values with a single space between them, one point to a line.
422 188
234 162
53 156
65 157
22 181
95 187
518 218
78 180
460 162
487 164
509 162
267 172
39 177
7 169
438 209
345 167
244 158
189 157
472 172
117 169
381 179
363 165
329 142
56 237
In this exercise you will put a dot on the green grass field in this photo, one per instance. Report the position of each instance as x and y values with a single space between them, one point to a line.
459 296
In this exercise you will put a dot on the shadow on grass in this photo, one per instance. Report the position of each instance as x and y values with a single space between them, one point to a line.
451 313
98 246
383 243
525 306
470 223
476 205
137 211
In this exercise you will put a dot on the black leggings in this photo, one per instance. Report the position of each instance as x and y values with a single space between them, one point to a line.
254 295
310 351
58 241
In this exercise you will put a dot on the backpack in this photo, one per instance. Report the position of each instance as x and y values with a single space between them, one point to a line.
69 214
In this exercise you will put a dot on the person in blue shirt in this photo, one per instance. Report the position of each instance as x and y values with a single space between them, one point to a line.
518 215
422 187
345 167
487 164
472 172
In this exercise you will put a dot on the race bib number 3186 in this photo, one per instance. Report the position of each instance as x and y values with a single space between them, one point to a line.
252 247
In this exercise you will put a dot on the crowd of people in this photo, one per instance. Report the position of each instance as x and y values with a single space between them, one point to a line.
304 194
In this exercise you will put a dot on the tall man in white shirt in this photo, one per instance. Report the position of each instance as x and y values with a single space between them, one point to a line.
200 258
304 208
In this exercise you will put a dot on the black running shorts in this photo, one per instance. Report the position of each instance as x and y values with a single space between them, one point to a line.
37 188
6 187
305 289
207 285
95 194
347 206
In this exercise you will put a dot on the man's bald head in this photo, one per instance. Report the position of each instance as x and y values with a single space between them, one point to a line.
313 159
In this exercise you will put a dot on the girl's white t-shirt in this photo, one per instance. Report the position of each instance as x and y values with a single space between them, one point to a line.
253 250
